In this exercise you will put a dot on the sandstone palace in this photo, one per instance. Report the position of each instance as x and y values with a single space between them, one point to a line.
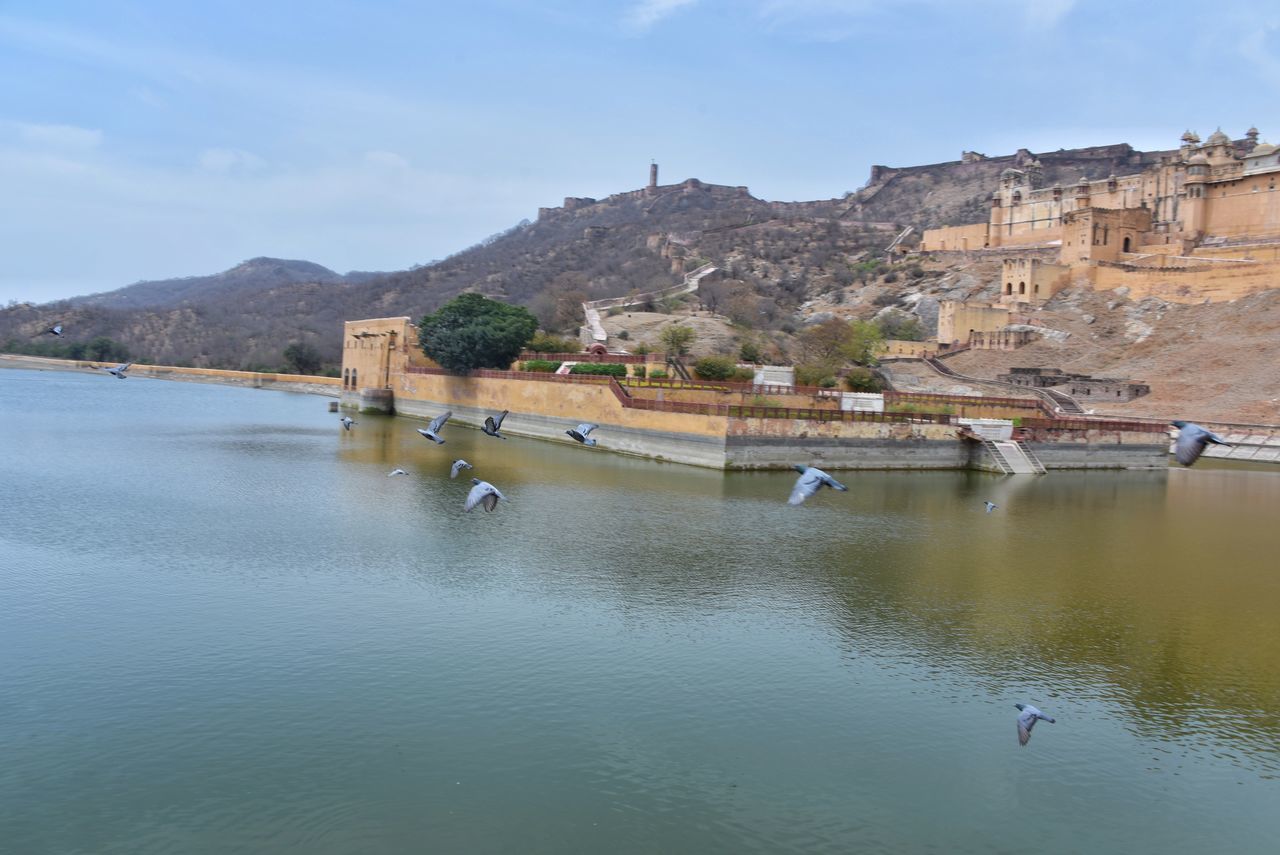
1198 223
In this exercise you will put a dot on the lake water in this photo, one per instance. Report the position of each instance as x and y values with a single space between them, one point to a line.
223 628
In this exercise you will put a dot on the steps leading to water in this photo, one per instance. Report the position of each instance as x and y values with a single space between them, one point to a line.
1013 458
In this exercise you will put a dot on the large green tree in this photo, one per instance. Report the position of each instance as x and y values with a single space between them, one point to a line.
472 331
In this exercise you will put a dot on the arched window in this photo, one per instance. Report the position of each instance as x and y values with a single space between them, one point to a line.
1008 288
346 377
353 378
1126 244
1022 287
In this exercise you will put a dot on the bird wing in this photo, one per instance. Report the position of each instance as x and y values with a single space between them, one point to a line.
438 422
1024 731
586 428
490 426
1189 447
806 485
124 366
497 423
477 494
457 466
833 483
490 500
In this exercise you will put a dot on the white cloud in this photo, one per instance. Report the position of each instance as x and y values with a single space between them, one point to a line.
229 160
386 160
643 15
59 136
1039 15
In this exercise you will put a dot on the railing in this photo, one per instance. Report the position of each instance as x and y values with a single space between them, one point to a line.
961 400
1091 424
624 358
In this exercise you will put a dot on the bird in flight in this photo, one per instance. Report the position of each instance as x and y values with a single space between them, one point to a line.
483 493
491 424
1027 717
811 480
56 329
1192 441
433 429
580 433
991 506
119 370
347 422
396 472
458 466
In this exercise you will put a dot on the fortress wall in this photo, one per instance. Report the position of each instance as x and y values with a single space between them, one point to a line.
1212 282
545 410
955 238
1250 206
781 443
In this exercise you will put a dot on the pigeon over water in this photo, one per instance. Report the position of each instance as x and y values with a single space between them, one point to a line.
580 433
483 493
991 506
347 422
811 480
458 466
396 472
1027 718
1192 440
119 370
491 424
433 430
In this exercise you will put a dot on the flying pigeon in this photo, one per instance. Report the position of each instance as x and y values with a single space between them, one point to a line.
810 481
1027 720
433 430
1192 440
119 370
56 329
491 424
347 422
991 506
396 472
458 466
483 493
580 433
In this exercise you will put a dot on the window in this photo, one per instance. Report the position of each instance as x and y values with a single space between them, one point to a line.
353 378
1022 287
346 377
1126 244
1008 288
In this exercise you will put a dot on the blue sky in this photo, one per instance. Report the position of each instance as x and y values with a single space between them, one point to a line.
146 140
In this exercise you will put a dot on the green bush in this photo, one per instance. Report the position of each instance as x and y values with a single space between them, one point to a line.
540 366
637 371
544 343
744 375
828 382
612 369
860 379
810 374
750 352
624 335
657 374
715 368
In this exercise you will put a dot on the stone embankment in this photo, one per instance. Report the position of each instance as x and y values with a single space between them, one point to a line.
329 386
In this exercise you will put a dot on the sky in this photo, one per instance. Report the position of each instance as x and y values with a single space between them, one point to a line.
147 140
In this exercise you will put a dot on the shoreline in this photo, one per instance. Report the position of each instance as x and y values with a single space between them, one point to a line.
330 387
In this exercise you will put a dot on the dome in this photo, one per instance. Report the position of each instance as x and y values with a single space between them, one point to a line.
1198 160
1263 149
1190 137
1218 138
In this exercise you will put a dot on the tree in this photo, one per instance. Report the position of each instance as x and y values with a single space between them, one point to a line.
472 331
677 339
866 342
302 358
897 324
825 342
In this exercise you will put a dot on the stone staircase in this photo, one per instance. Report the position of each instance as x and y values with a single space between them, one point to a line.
592 308
1013 458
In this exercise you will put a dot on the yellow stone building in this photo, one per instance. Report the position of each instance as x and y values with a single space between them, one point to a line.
1202 222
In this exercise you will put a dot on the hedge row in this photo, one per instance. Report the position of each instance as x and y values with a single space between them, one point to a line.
610 368
542 366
